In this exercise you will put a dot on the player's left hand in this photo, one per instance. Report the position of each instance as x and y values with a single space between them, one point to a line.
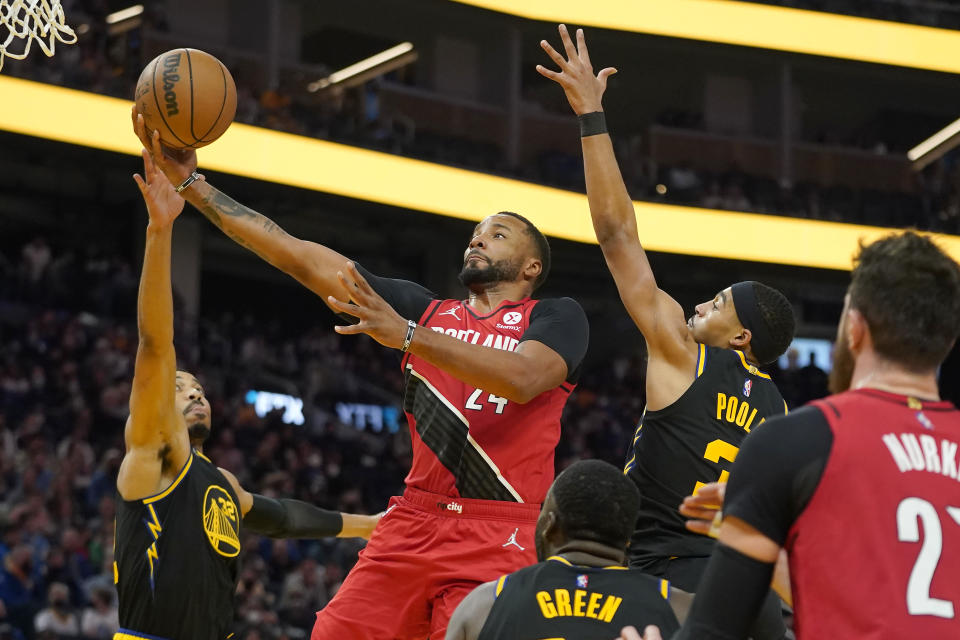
704 509
584 90
377 319
164 204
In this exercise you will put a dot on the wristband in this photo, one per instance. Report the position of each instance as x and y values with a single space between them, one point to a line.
193 177
411 327
592 124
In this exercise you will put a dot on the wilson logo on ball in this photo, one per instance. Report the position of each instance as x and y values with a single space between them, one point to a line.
171 65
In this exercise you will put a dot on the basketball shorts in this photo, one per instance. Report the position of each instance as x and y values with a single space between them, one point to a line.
426 554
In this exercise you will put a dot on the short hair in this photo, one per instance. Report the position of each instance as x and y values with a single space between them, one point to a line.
540 244
777 314
908 291
596 501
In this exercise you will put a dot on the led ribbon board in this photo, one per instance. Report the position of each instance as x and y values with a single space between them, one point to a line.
752 25
36 109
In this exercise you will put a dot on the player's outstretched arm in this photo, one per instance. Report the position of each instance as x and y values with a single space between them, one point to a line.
153 425
658 316
472 612
285 518
704 514
313 265
518 376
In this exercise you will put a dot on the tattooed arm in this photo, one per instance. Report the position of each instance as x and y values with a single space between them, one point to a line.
313 265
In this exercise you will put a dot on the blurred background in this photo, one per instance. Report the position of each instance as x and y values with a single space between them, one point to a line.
299 411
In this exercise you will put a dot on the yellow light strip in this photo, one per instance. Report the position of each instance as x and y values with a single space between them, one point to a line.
752 25
96 121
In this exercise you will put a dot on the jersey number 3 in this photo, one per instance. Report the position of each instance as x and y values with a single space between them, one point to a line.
715 451
492 399
909 512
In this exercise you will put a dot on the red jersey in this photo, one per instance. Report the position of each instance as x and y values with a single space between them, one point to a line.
876 551
468 442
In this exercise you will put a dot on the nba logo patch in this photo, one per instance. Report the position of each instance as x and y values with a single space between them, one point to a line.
582 581
747 385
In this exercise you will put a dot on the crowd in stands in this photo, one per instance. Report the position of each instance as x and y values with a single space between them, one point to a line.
930 13
67 346
111 65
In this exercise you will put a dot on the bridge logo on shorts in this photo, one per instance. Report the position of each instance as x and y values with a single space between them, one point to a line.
512 317
221 521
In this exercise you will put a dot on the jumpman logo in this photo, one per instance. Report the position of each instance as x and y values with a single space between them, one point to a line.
513 540
451 312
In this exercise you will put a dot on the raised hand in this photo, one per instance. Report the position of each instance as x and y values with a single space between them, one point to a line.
164 204
704 509
584 90
377 318
176 164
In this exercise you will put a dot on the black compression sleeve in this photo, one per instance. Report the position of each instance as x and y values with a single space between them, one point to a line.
728 598
409 299
291 519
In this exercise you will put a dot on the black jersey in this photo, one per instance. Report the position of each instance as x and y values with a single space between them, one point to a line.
556 599
176 557
690 443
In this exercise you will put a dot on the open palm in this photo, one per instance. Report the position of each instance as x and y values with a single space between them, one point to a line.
164 204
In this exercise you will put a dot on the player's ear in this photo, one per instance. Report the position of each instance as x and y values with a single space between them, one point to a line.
533 269
550 523
858 331
742 340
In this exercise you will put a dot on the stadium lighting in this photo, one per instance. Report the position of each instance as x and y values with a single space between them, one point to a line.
400 182
124 14
381 63
935 146
750 24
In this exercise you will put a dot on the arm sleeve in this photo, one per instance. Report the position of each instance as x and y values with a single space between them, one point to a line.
561 324
409 299
291 519
778 470
728 598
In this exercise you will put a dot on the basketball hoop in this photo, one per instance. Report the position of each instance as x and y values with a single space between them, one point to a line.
32 20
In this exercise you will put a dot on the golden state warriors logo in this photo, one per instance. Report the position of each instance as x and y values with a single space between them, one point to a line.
221 521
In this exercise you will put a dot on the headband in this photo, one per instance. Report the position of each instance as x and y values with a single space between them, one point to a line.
748 312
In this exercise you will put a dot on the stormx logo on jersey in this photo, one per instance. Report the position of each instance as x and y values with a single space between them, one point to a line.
510 320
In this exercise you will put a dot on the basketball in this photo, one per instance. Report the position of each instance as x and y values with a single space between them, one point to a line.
188 96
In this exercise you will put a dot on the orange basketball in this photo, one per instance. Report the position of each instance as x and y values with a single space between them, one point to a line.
188 96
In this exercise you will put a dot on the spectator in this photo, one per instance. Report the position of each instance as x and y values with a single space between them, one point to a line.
36 257
101 619
17 587
58 619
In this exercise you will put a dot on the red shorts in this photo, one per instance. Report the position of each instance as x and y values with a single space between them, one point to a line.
426 554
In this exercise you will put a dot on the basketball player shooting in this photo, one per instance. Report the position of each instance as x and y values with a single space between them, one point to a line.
178 514
486 381
861 484
704 389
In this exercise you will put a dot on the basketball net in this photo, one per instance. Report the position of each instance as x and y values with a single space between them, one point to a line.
32 20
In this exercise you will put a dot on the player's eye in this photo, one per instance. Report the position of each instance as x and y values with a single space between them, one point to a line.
499 235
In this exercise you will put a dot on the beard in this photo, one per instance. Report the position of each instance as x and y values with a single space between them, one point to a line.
199 431
842 373
500 271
